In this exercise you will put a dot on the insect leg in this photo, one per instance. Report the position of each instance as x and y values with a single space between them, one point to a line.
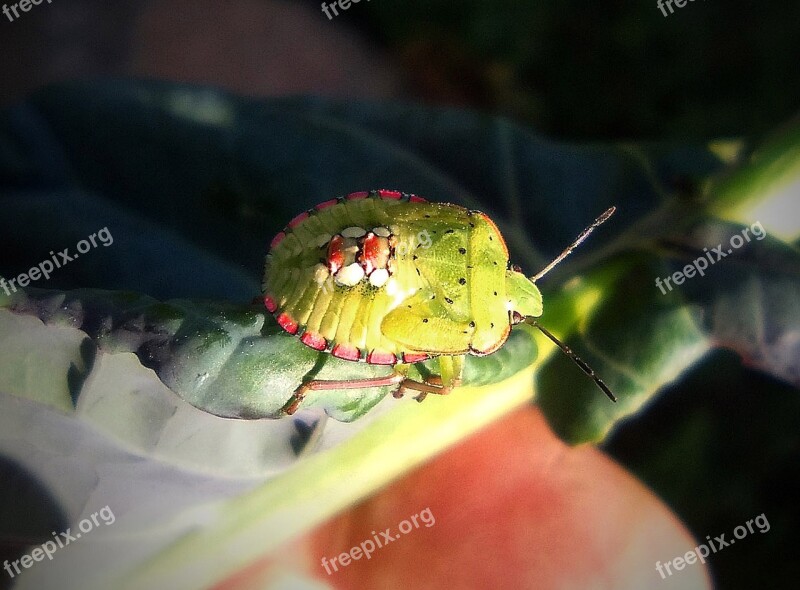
323 384
451 369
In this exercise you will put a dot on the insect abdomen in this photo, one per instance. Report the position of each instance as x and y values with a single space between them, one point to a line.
307 297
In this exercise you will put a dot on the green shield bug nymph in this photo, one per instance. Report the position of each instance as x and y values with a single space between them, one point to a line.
388 278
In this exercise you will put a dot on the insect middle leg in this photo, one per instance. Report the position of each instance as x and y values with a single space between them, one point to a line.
327 384
451 368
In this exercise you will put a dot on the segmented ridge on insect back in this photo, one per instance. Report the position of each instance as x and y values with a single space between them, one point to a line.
315 340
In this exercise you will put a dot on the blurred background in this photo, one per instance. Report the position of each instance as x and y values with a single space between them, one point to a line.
572 69
579 71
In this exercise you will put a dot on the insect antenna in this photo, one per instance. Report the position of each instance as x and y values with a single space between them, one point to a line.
584 234
568 351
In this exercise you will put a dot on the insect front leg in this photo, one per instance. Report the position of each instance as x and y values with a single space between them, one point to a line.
451 369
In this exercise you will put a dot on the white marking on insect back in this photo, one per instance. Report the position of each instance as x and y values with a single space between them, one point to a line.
353 232
382 232
392 288
378 277
394 291
350 275
321 273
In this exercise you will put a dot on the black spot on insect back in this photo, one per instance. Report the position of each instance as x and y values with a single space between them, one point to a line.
462 250
450 301
425 320
462 281
472 324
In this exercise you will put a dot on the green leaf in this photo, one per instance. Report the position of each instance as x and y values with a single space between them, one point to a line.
636 338
764 186
233 361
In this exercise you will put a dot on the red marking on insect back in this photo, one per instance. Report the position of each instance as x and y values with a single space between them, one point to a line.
381 357
384 194
347 352
287 323
270 304
374 253
358 195
277 240
326 204
298 219
416 199
415 357
314 340
335 257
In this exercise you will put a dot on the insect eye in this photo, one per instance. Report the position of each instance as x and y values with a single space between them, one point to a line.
516 268
517 318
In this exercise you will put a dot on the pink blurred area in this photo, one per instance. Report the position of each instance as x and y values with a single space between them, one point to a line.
514 507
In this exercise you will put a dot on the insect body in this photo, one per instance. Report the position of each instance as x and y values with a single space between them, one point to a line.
388 278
